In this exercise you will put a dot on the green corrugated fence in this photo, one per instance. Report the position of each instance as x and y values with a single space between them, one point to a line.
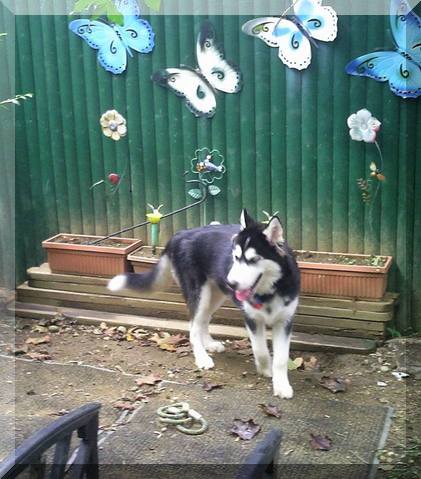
284 138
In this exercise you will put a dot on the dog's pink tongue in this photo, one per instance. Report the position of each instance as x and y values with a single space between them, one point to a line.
243 295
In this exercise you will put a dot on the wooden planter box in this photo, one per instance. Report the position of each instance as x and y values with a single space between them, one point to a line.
142 259
344 280
92 260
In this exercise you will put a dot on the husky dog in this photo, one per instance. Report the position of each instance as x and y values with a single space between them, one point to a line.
253 264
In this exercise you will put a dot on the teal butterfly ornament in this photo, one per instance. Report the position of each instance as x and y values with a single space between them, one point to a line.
402 67
293 34
116 42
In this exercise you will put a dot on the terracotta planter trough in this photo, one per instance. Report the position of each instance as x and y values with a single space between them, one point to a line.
69 253
344 280
143 259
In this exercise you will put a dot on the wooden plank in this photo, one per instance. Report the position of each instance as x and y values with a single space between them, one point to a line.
178 311
345 313
340 332
318 319
300 341
154 310
178 298
139 304
102 290
339 323
43 273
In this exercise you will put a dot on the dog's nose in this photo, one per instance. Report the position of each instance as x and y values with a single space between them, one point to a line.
232 284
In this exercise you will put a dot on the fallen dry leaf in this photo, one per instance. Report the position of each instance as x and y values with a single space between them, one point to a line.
35 341
150 380
210 386
167 342
241 344
124 405
183 351
42 356
320 443
245 430
271 410
18 350
312 364
334 385
39 329
295 363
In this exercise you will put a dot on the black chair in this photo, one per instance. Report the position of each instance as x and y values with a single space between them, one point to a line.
260 463
30 453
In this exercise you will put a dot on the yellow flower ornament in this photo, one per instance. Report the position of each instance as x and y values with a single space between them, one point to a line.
113 125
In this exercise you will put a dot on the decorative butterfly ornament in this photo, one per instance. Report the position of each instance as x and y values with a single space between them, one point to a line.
401 68
198 87
293 34
113 41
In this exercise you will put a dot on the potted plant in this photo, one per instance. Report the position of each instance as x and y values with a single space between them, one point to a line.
343 274
89 255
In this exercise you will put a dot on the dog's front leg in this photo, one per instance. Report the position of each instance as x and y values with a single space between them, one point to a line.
281 336
257 334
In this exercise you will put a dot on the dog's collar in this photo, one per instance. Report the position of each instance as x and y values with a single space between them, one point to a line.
258 300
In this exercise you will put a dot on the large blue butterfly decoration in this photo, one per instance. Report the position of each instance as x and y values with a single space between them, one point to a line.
293 34
401 68
114 42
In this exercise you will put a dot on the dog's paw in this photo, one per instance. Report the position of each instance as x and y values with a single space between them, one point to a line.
215 347
285 391
205 362
266 372
264 367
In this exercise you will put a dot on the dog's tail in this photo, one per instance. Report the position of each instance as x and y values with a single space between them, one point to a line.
159 277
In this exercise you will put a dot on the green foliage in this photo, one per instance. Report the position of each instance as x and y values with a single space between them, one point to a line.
393 333
98 8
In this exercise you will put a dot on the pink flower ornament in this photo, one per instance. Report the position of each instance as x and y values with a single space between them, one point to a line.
363 126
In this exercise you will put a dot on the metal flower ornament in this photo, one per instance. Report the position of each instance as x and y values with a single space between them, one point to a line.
363 126
113 125
209 166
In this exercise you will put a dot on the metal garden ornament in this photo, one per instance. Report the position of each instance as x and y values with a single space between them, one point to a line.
198 86
209 166
401 68
363 126
293 34
114 42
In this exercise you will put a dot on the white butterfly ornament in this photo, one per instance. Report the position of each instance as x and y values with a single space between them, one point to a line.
292 34
198 86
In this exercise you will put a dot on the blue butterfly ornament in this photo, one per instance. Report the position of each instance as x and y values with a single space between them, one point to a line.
293 34
113 41
401 68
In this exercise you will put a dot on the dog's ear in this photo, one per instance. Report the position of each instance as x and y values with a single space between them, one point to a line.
274 231
246 220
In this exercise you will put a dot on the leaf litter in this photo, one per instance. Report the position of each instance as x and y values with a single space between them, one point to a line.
320 443
271 410
335 385
245 430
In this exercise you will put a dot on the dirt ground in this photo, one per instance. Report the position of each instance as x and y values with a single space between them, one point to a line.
366 379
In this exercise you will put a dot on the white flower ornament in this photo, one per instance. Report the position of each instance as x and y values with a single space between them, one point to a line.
363 126
113 124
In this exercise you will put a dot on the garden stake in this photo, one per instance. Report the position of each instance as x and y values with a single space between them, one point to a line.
202 186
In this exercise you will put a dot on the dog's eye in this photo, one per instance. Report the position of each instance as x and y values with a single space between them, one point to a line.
254 260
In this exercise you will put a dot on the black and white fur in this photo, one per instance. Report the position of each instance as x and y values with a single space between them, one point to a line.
254 265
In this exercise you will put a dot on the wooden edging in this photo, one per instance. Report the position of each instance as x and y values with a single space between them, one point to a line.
300 341
43 273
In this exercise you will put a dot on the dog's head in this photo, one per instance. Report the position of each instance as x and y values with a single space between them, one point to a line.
257 251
